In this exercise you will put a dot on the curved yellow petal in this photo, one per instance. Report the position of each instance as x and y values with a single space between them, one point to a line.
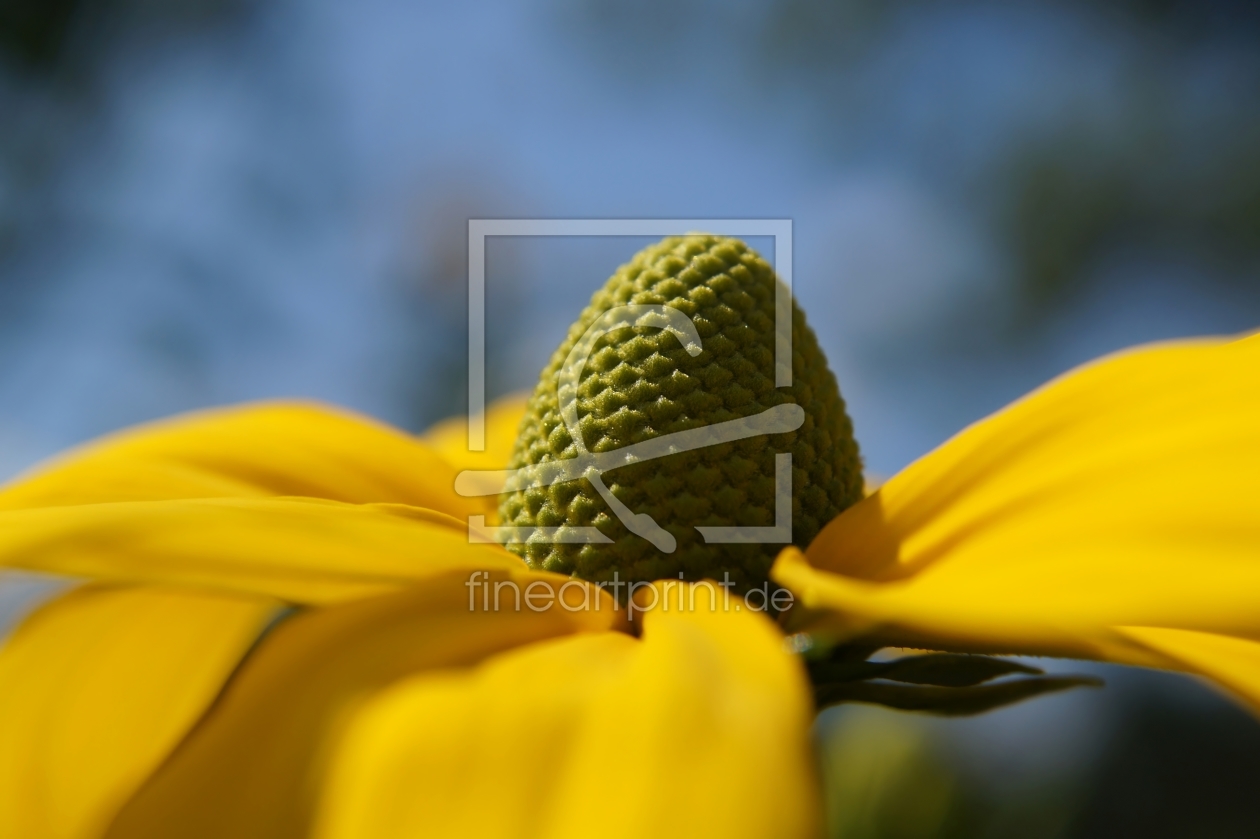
97 687
503 416
1233 663
1126 493
699 729
286 449
253 766
296 549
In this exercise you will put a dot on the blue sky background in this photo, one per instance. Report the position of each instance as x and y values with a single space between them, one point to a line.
273 206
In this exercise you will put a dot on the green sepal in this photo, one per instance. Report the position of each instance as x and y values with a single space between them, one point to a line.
949 684
939 669
948 701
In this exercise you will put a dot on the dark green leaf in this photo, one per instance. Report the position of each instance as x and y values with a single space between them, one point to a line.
948 701
951 670
941 669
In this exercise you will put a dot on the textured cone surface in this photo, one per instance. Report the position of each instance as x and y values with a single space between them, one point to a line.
640 383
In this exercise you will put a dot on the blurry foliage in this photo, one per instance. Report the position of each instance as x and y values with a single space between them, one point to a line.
53 57
1165 176
1177 765
1074 200
60 80
33 31
36 34
823 37
1178 761
884 782
1189 16
887 777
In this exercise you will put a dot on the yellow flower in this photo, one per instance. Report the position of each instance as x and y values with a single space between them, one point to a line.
1113 514
385 707
278 635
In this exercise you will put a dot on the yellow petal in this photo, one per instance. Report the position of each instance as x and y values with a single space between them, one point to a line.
293 549
503 416
253 766
700 729
259 450
1126 493
1233 663
97 687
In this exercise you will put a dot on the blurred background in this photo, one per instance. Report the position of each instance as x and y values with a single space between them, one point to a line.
222 200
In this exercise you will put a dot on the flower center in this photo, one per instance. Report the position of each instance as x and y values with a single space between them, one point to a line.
685 458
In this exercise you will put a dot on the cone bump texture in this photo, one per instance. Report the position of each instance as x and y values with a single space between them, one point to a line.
640 383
